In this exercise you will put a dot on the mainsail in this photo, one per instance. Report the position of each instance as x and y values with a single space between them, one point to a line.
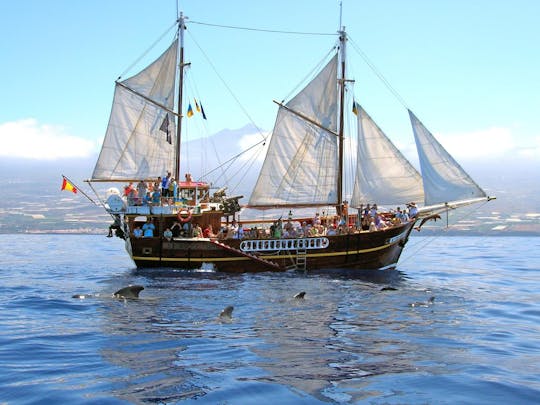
383 174
444 179
301 164
140 138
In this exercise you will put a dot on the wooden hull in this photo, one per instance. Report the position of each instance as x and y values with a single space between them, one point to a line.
356 251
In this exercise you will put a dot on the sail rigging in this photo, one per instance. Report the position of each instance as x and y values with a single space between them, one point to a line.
383 174
301 163
140 140
444 179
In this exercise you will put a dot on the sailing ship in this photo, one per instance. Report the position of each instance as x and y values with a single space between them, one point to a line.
303 170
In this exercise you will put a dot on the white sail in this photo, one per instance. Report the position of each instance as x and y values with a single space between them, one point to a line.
301 164
444 179
383 175
140 138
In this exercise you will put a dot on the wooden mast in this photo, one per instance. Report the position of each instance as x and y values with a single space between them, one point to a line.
181 28
342 40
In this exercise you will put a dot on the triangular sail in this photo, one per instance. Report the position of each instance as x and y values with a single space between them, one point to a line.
383 175
137 144
444 179
301 164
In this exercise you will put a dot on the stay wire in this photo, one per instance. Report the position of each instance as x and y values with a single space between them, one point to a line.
263 30
147 51
227 86
378 73
234 158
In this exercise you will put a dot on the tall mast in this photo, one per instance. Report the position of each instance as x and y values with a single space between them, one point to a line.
342 40
181 28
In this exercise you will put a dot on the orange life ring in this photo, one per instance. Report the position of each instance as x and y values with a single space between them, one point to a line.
184 216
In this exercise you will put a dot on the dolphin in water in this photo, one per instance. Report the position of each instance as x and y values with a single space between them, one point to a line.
131 291
300 295
82 296
427 303
226 314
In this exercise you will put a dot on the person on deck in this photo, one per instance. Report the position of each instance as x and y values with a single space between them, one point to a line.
127 189
413 210
172 188
147 199
209 232
197 231
148 229
156 197
165 185
142 188
176 228
137 232
133 197
167 234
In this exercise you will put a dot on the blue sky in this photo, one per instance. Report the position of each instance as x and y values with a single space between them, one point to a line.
469 69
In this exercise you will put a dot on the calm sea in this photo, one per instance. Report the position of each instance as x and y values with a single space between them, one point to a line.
346 342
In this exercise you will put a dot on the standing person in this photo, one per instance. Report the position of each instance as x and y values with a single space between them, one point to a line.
127 189
172 188
165 185
413 210
142 188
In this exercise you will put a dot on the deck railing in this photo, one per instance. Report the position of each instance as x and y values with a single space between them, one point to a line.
262 245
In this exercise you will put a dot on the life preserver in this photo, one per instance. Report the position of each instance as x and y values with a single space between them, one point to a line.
184 216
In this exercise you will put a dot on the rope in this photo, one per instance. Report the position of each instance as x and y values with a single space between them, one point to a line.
227 86
378 73
261 29
311 74
147 51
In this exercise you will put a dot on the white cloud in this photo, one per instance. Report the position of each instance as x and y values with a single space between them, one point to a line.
491 143
31 140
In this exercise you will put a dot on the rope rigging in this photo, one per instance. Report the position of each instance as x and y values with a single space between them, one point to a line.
263 30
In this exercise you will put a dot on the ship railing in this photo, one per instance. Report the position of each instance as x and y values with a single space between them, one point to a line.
265 245
170 209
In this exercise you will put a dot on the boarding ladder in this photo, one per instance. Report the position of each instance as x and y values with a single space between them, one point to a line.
299 261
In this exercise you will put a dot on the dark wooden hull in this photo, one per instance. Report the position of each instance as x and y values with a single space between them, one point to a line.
355 251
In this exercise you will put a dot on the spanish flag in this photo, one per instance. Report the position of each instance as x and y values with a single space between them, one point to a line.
66 185
189 111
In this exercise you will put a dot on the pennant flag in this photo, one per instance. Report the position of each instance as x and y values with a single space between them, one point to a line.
202 111
66 185
354 108
197 105
189 111
165 128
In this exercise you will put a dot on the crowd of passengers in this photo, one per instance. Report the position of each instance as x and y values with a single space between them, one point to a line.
161 192
370 220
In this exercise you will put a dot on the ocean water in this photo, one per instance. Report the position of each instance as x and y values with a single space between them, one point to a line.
347 341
